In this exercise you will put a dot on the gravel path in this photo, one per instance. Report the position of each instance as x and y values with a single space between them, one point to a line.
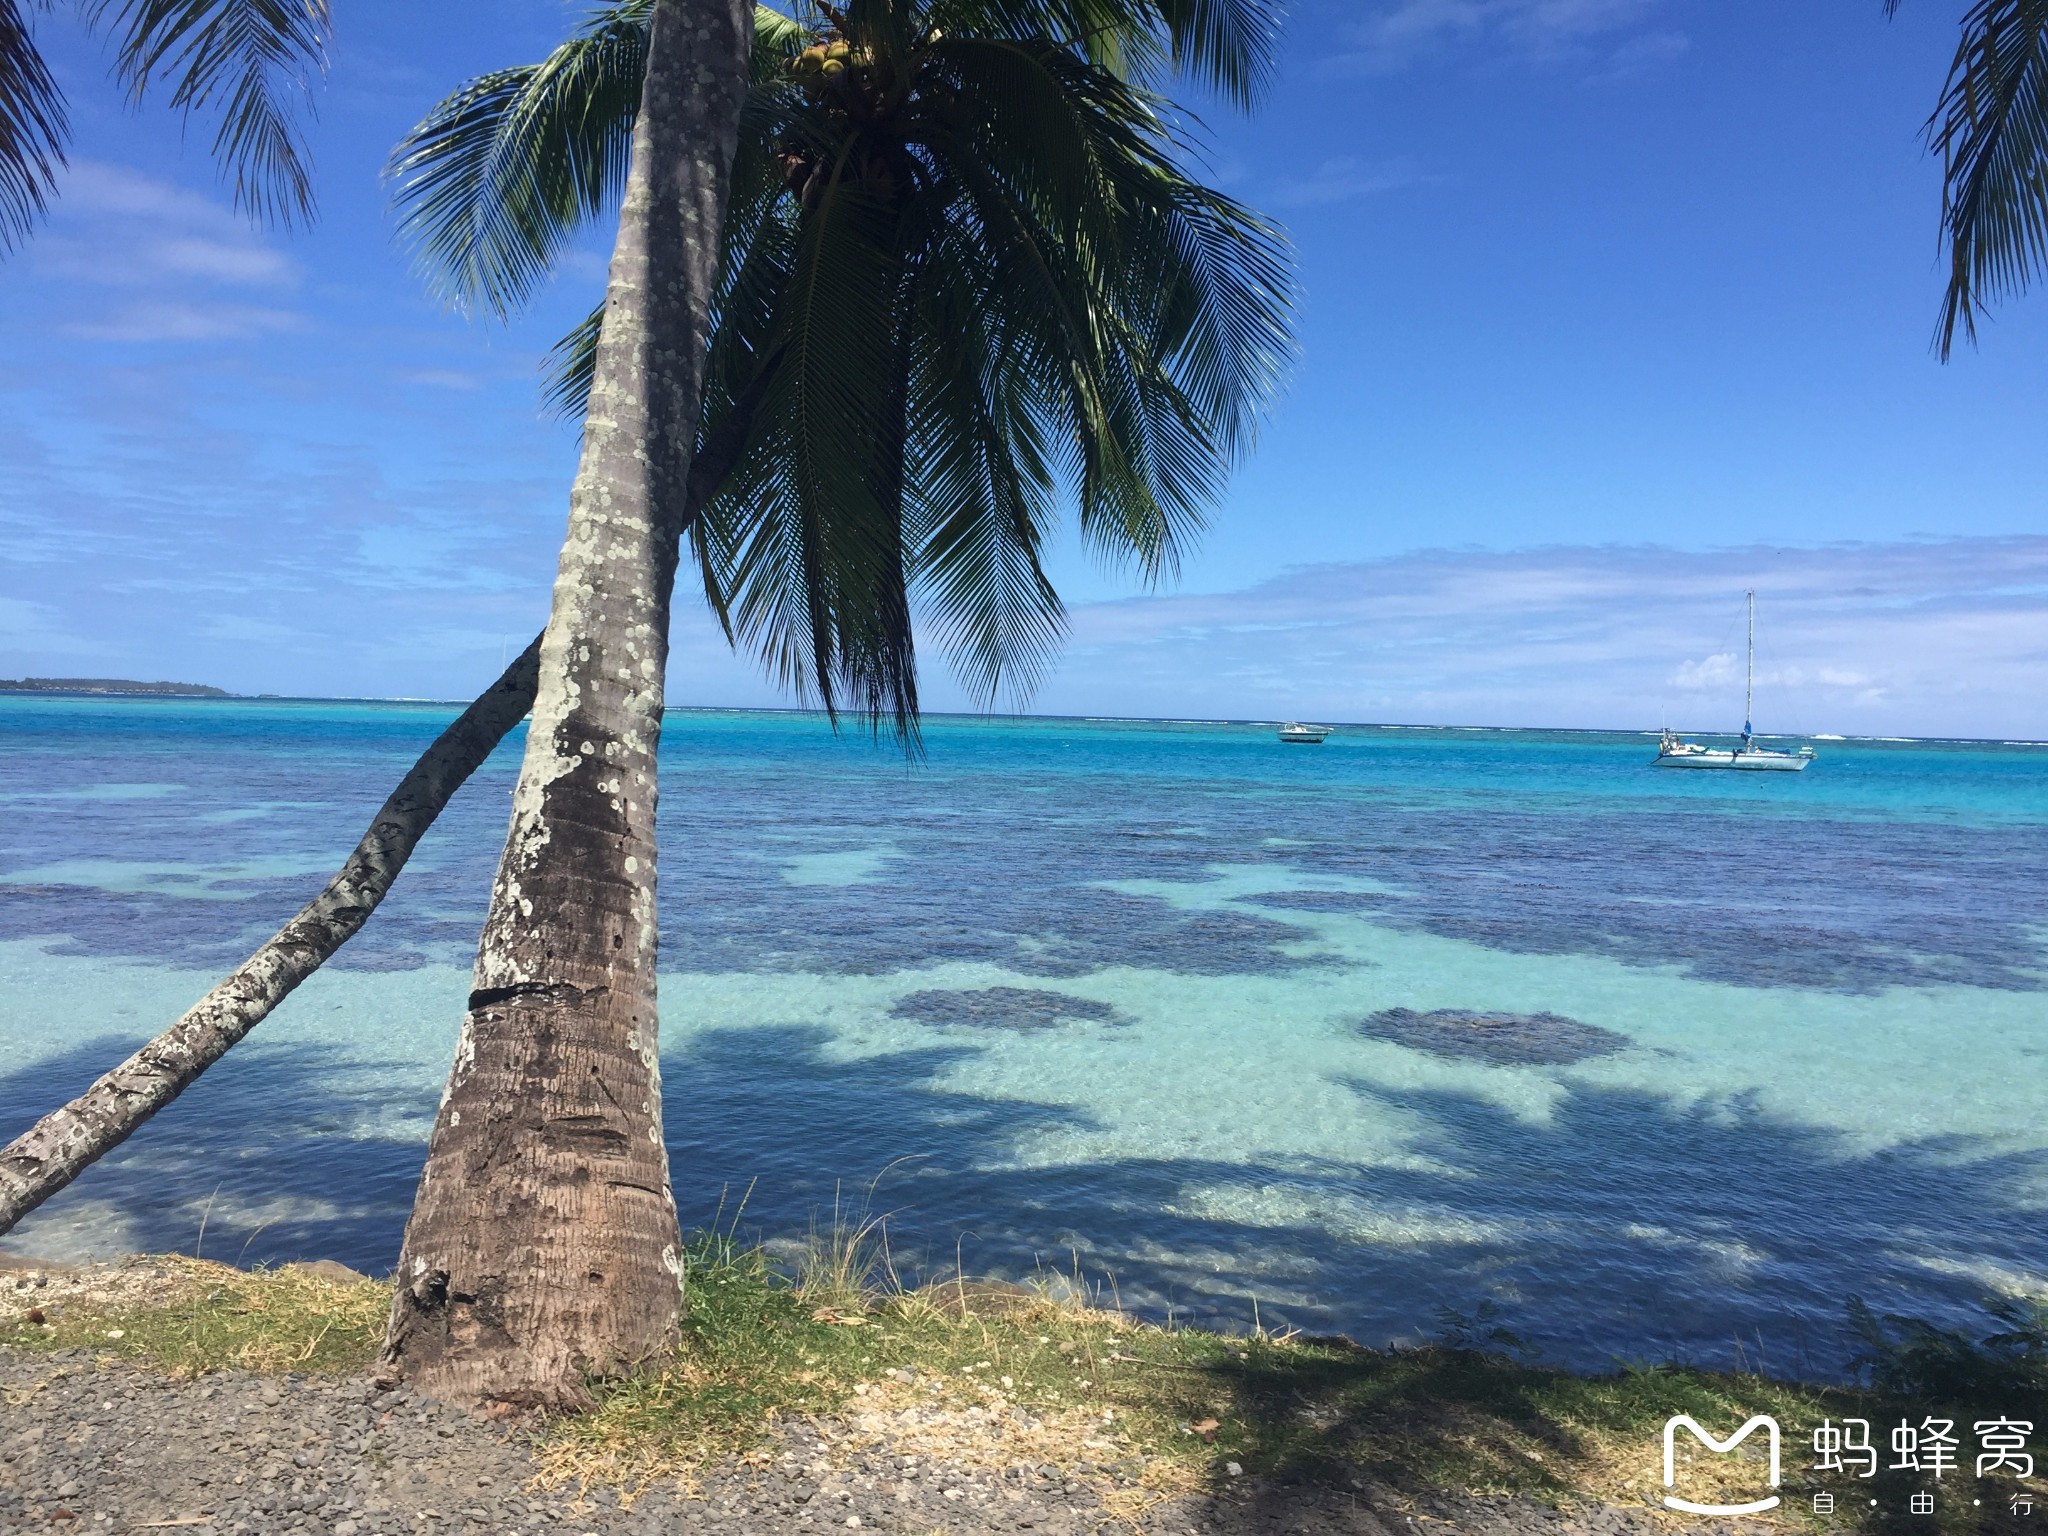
88 1446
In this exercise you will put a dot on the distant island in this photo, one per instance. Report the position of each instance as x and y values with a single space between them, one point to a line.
108 685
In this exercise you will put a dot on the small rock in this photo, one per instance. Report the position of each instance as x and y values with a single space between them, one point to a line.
1233 1469
328 1270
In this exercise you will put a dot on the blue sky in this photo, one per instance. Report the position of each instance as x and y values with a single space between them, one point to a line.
1611 309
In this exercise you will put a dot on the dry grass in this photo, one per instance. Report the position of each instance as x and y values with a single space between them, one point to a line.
189 1316
995 1376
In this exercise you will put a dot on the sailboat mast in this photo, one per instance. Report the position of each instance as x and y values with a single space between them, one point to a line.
1749 673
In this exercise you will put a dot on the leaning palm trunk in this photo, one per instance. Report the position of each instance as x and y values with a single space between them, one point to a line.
543 1246
67 1141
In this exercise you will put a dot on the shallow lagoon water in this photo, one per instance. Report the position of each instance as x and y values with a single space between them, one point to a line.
1833 991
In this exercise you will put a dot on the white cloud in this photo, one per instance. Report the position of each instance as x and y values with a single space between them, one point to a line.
1930 638
1716 671
185 264
221 261
100 187
1607 35
33 630
171 320
443 378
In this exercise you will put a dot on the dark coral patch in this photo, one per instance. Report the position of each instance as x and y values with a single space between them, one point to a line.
1505 1039
1021 1008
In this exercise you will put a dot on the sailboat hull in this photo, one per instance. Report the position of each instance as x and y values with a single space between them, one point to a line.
1744 762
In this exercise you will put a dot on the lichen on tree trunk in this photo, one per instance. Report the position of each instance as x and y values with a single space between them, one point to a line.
543 1246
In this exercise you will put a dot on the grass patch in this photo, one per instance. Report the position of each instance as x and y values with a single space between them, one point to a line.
999 1376
996 1376
190 1316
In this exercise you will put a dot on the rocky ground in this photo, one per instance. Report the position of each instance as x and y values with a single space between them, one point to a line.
87 1445
92 1443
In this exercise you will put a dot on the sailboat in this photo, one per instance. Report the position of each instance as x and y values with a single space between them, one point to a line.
1675 752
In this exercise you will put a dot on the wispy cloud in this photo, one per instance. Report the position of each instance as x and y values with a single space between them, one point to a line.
1647 52
32 628
1934 638
443 378
1343 179
1610 37
169 320
145 261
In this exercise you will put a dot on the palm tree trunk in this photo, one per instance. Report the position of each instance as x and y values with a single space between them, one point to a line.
543 1246
65 1142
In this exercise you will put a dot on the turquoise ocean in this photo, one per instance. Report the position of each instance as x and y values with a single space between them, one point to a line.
1165 1004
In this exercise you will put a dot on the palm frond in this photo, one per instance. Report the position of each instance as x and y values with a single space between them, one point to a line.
493 181
33 127
1153 311
1225 289
1991 129
1232 46
808 533
983 493
570 365
252 62
498 176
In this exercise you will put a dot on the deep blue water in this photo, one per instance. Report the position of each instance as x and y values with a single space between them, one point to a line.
1099 993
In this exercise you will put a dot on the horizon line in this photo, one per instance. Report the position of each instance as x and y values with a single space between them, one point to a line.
992 717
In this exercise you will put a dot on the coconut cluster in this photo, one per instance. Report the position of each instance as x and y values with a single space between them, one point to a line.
826 63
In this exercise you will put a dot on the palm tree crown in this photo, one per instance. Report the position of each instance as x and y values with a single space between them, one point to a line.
248 61
965 275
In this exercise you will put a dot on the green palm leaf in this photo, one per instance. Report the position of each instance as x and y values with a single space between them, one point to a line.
251 61
1991 129
32 127
984 496
1229 45
499 175
815 574
493 182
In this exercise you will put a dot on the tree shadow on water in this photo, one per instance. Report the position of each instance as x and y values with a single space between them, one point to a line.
1623 1226
283 1151
1620 1226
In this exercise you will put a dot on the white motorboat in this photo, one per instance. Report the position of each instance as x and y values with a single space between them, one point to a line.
1294 733
1673 751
